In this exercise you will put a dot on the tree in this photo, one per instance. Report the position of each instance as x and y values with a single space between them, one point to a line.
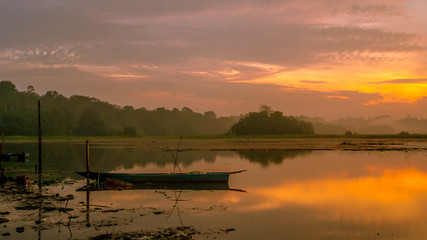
210 115
128 108
91 123
256 123
7 87
265 108
7 92
30 90
129 131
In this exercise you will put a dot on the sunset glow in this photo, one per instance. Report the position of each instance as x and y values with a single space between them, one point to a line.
396 194
355 58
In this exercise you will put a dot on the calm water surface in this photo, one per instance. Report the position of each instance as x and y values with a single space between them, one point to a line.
286 195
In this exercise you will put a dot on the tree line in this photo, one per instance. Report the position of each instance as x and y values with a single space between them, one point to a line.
88 116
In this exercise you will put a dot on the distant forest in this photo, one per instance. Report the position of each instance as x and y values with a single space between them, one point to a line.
87 116
269 122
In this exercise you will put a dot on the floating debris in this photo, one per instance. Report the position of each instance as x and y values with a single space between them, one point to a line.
158 212
112 210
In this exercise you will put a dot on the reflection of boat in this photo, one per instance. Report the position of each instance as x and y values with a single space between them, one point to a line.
183 186
191 177
15 157
196 186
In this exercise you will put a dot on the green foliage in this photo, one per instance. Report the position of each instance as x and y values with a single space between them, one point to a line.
14 123
263 123
404 134
348 133
91 123
81 115
130 131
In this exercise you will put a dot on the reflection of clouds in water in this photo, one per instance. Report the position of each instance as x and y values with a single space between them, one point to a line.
268 157
393 195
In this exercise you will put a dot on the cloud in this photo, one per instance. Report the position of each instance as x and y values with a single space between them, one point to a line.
209 54
237 37
41 54
339 97
403 81
311 81
225 98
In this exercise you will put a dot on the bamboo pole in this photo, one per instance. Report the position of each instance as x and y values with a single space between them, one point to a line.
88 208
1 162
87 163
2 143
87 184
40 145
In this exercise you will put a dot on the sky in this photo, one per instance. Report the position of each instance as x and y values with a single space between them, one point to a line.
318 58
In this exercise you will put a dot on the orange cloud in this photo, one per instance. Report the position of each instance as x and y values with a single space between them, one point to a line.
357 76
340 97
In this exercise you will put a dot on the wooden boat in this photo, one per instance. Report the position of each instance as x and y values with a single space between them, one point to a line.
191 177
15 157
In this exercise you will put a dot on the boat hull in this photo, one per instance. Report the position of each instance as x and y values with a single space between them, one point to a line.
209 177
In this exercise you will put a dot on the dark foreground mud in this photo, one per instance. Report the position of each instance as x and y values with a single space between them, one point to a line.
26 208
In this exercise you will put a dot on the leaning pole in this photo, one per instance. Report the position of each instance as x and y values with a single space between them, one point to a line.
40 146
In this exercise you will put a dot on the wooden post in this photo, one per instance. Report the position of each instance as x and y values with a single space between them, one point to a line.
88 208
2 151
40 145
87 163
2 143
87 185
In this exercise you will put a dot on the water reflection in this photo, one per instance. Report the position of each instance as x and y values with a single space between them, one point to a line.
317 195
67 158
392 194
268 157
176 206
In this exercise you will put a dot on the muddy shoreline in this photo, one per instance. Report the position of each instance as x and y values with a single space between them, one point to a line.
32 210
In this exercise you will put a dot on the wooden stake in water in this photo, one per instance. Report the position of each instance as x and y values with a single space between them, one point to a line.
88 208
87 163
1 163
2 143
40 145
87 183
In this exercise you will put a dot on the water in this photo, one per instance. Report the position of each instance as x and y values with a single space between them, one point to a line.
283 195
